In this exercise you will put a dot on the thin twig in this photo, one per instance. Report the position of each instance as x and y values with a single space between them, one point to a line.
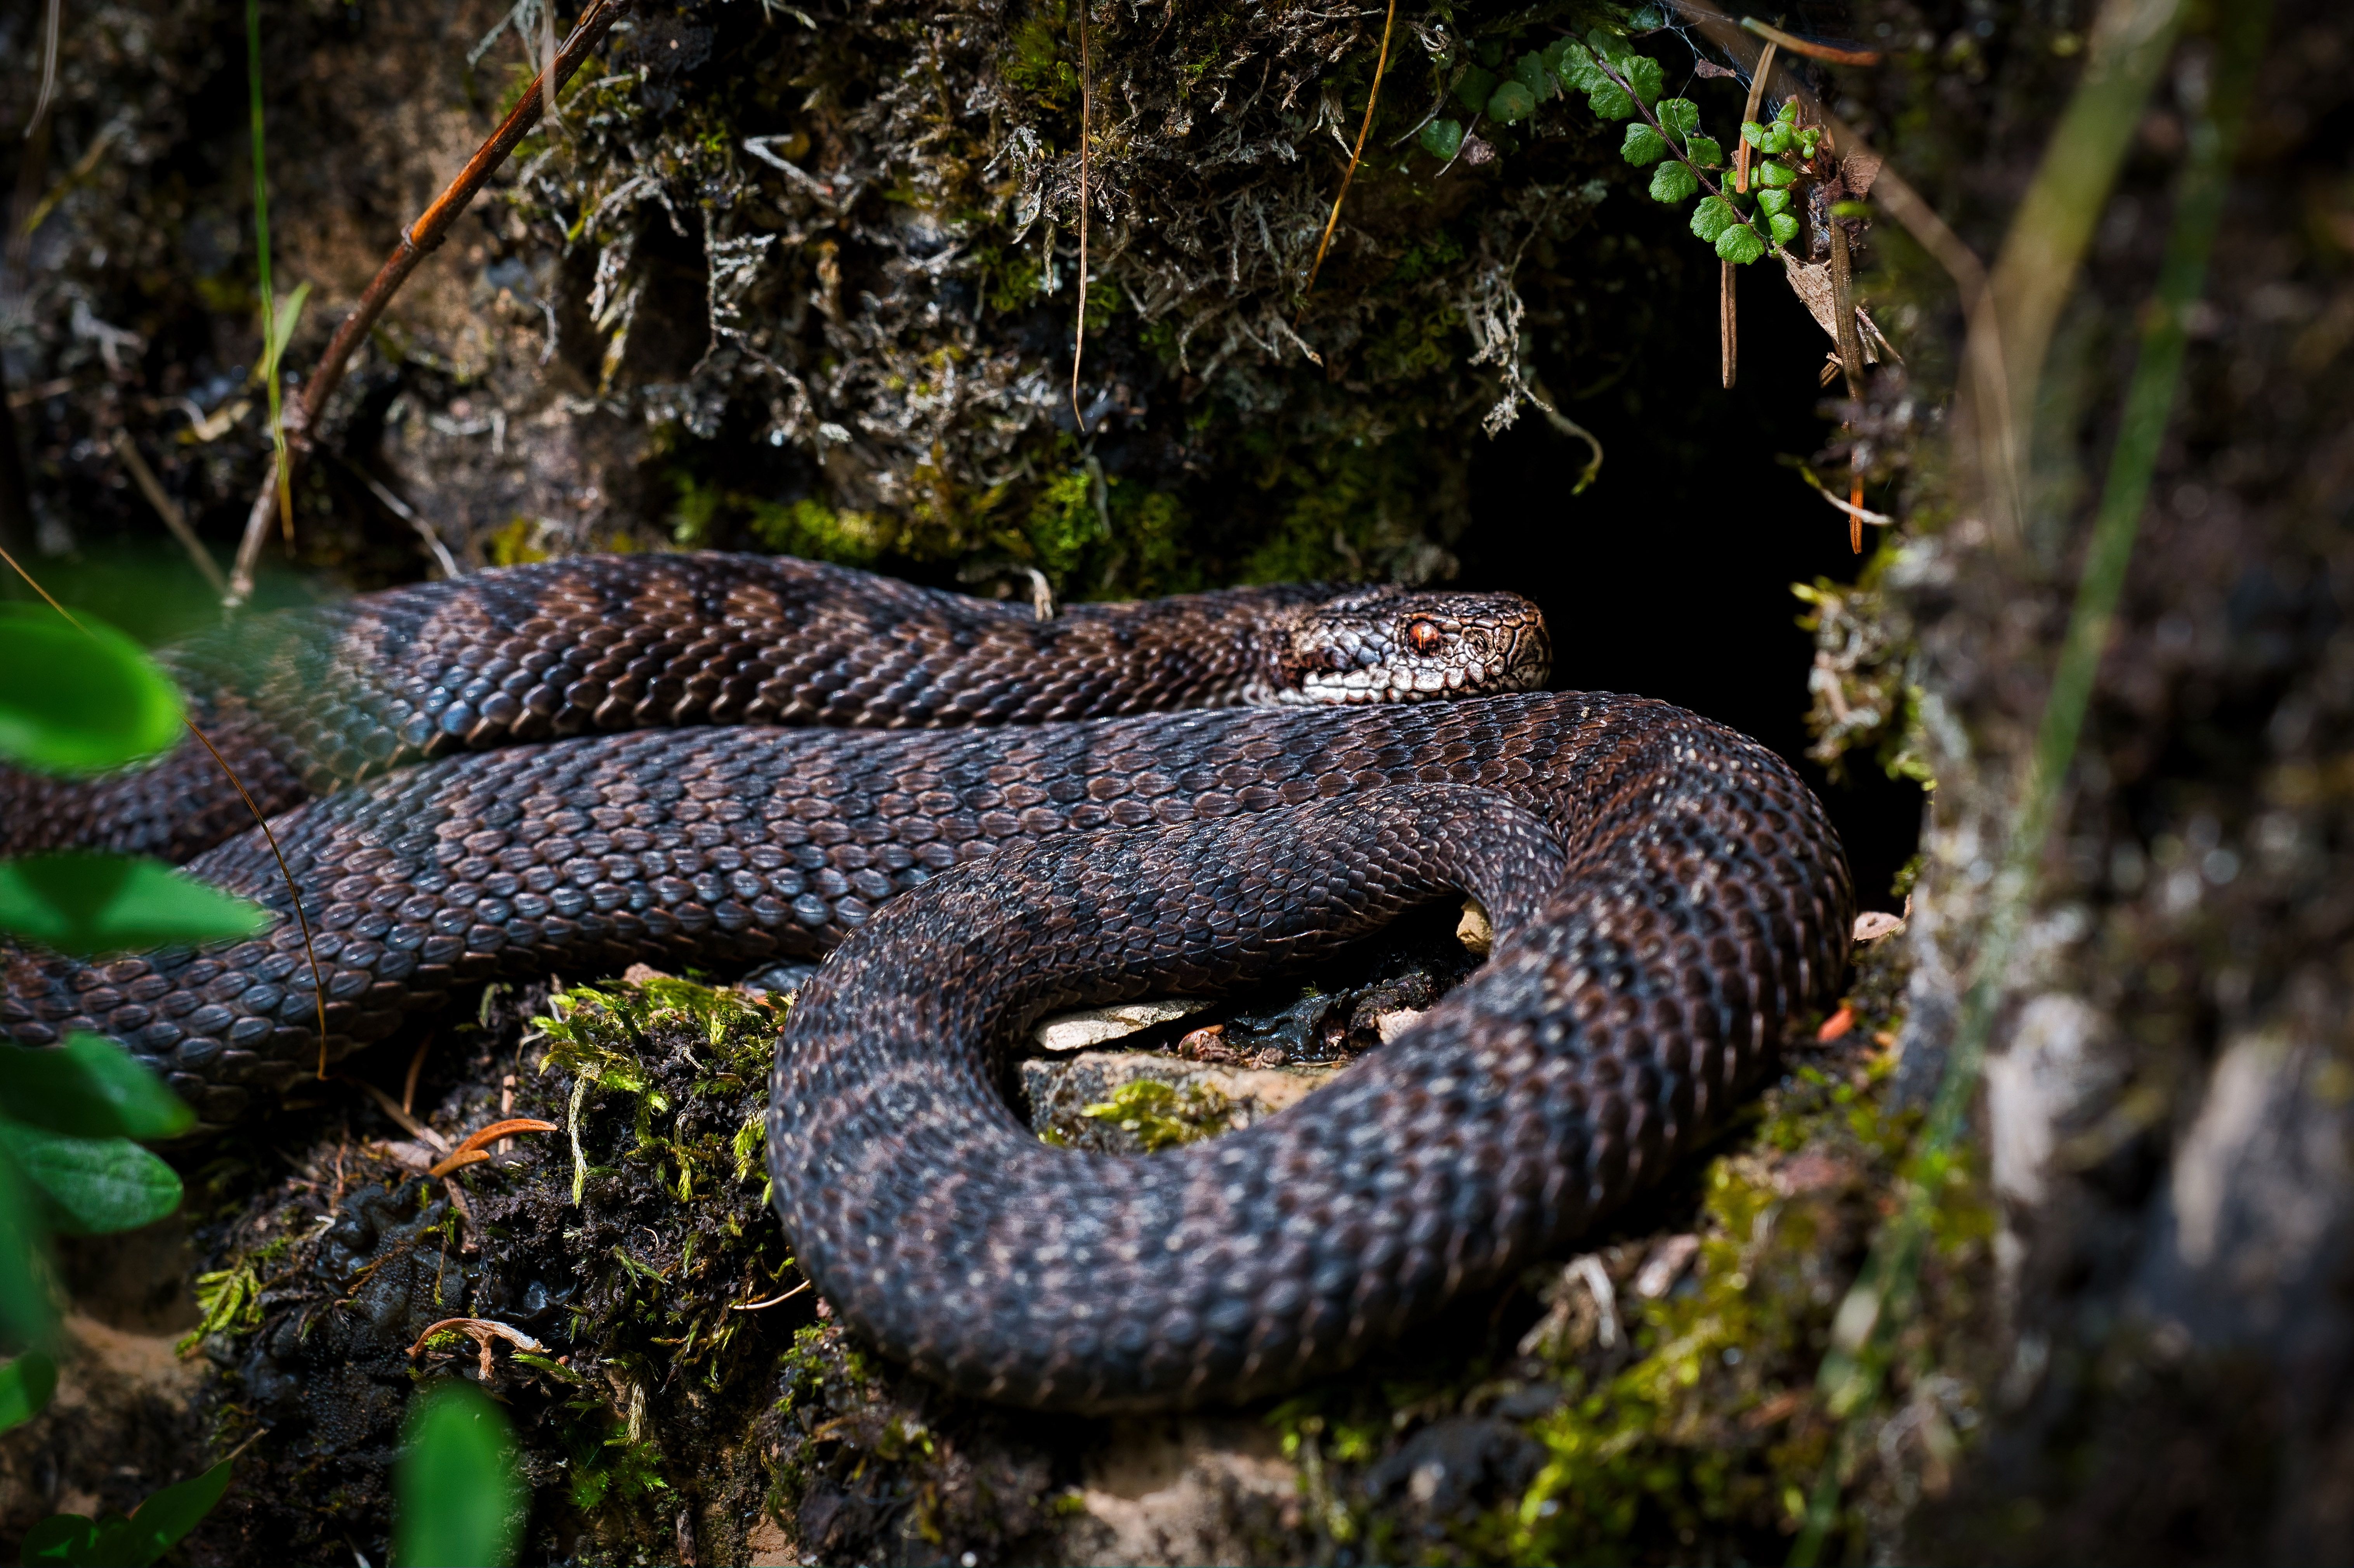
771 1302
1728 318
1373 102
1087 115
168 510
1813 51
1856 512
416 241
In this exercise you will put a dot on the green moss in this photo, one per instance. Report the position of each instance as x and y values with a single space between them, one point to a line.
228 1300
1160 1115
1715 1429
1040 59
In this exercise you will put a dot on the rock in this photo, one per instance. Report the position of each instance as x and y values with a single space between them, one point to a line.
1183 1489
1475 931
1095 1025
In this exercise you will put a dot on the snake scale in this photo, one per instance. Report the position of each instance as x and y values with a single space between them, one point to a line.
1667 896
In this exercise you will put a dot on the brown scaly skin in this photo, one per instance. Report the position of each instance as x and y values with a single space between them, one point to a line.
1668 897
1668 894
303 702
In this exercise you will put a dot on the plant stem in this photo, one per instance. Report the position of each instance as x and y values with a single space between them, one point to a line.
419 239
1773 246
271 346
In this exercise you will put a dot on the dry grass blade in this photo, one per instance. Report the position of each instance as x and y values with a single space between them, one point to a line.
1356 153
1087 180
416 241
168 510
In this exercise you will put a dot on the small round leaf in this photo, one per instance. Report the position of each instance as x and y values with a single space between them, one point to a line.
1673 183
1643 146
1740 244
1442 138
1511 102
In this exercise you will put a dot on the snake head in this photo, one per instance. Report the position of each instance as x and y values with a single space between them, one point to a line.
1396 645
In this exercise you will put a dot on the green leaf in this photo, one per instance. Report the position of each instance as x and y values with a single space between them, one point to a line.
1771 174
1703 150
1609 102
1473 86
61 1538
456 1495
91 904
1442 138
91 1089
1643 145
1611 46
1510 101
1574 64
79 701
94 1185
26 1385
1645 76
1776 140
1773 201
26 1313
1739 245
1783 227
1753 132
1530 71
279 329
159 1523
1712 217
1808 140
1673 183
1680 115
1790 113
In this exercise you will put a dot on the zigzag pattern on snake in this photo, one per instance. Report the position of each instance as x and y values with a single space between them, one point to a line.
1668 897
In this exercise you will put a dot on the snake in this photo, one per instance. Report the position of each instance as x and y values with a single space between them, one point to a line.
1670 902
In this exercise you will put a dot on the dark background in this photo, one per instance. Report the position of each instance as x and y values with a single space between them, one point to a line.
1671 575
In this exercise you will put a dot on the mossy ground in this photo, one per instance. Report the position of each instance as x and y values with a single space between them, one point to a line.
1652 1398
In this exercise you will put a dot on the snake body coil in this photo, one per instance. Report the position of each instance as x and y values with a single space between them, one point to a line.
1667 894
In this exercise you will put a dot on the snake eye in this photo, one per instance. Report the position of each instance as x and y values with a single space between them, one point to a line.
1424 636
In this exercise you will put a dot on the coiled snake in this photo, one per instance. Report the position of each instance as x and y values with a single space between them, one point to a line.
1667 896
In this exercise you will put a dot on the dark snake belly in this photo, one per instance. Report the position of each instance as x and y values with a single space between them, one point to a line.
1668 894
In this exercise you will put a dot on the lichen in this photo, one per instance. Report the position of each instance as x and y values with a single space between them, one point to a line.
1863 695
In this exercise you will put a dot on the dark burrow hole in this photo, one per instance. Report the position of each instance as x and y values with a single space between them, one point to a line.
1670 575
